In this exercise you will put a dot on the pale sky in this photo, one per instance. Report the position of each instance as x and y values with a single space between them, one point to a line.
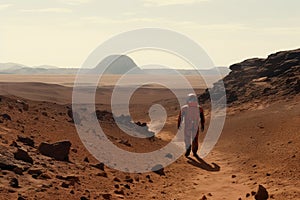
64 32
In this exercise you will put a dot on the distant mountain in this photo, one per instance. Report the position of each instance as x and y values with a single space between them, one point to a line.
204 72
118 64
114 64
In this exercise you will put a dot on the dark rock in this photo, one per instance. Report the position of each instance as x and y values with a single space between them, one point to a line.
83 198
8 162
103 174
35 172
26 141
65 185
117 179
158 169
106 196
22 154
6 117
141 124
86 159
99 166
14 183
262 193
58 151
120 192
169 156
204 198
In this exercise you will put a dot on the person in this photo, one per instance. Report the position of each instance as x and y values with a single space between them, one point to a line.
193 115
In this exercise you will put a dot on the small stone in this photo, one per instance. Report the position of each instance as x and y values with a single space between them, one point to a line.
120 192
106 196
14 183
117 179
86 159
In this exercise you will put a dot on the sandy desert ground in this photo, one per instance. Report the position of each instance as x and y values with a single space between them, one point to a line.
257 147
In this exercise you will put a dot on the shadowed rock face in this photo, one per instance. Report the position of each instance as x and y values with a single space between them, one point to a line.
275 77
58 151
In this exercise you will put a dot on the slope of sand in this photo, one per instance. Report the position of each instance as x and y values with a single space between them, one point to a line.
256 147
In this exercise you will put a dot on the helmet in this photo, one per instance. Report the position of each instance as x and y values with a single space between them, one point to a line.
192 98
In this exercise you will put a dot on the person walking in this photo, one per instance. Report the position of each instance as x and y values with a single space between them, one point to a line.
193 116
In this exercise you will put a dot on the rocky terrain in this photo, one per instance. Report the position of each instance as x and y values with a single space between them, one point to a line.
257 155
256 82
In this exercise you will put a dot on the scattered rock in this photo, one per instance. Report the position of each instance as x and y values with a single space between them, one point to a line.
117 179
169 156
204 198
141 124
86 159
158 169
262 193
58 151
14 183
23 155
106 196
99 166
233 176
103 174
35 172
6 117
26 140
120 192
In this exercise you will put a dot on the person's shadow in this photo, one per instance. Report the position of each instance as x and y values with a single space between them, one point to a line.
200 163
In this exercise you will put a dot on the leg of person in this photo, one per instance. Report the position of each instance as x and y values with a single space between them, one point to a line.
187 142
195 143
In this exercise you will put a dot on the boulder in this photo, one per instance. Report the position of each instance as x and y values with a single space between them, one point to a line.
23 155
262 193
58 151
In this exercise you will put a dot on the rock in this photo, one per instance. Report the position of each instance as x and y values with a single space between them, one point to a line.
103 174
158 169
120 192
22 154
141 124
169 156
65 185
204 198
262 193
233 176
99 166
83 198
75 118
59 150
24 104
106 196
86 159
26 140
8 162
128 179
18 171
117 179
6 117
14 183
71 178
247 195
35 172
276 77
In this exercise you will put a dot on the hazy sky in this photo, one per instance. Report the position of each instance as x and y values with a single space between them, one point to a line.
64 32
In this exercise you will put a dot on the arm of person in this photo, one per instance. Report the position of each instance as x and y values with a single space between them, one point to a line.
202 118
